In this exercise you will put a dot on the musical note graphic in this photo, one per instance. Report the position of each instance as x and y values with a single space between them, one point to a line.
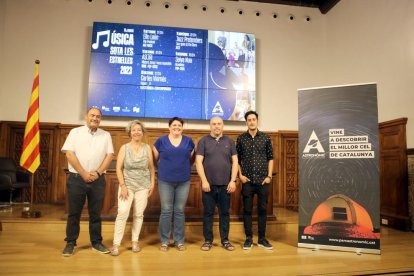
98 35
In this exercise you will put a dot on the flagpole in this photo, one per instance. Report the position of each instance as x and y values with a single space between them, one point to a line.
31 213
31 190
30 158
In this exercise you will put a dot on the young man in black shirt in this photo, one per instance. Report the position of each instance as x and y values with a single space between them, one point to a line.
255 153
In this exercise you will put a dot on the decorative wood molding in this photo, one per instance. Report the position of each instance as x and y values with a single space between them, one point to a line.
288 168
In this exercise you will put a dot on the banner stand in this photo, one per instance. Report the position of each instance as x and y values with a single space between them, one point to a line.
339 187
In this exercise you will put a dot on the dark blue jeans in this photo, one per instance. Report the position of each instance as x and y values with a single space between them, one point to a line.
78 191
219 197
248 191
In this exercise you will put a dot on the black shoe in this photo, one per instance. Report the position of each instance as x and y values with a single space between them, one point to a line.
248 244
265 244
68 250
100 248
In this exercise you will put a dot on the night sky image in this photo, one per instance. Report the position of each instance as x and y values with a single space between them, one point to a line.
354 173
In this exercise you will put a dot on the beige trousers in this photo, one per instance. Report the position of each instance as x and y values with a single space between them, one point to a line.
140 199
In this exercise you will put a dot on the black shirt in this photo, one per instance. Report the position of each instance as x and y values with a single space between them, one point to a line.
254 154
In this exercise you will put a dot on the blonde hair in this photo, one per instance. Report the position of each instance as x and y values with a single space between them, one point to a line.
132 124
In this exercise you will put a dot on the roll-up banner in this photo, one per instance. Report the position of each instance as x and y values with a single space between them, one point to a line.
339 188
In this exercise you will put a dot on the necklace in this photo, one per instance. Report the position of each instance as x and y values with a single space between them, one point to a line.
135 147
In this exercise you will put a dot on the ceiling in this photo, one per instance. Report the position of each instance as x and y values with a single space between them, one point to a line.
323 5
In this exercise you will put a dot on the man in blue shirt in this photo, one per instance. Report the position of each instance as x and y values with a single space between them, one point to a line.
217 165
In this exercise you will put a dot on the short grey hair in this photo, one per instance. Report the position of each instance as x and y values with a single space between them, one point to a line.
93 107
132 124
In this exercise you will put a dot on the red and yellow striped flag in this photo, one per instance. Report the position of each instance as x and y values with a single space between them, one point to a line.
30 159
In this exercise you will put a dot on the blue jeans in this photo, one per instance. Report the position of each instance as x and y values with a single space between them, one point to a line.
78 191
173 196
248 191
219 197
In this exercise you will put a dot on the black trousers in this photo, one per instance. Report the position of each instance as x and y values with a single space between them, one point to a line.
78 191
219 197
248 191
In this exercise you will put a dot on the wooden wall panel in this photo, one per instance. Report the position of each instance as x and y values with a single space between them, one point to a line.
11 146
51 176
275 181
410 165
58 195
393 174
288 176
50 180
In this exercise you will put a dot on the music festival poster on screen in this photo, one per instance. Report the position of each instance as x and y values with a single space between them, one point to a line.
161 72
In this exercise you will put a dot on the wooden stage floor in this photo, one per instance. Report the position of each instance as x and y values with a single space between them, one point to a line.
33 247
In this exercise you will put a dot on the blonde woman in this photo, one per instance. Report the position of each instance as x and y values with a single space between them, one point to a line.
136 174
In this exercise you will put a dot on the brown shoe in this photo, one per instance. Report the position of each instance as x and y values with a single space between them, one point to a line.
228 246
206 246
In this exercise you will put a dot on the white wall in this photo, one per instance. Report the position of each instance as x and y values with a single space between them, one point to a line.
58 33
354 43
2 24
373 41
